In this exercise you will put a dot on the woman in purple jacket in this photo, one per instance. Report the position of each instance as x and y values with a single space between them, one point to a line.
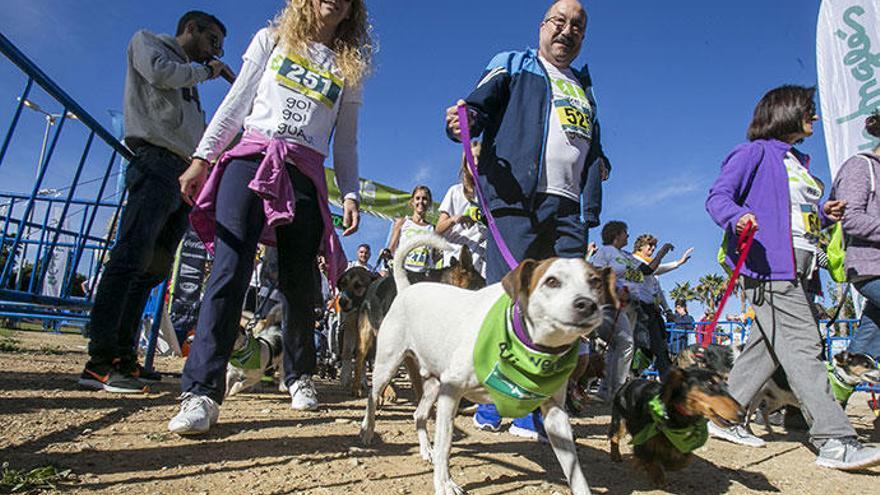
856 183
766 181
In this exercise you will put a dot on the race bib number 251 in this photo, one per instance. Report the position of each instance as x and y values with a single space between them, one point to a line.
298 74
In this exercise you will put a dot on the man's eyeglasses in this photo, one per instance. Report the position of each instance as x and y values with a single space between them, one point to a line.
558 23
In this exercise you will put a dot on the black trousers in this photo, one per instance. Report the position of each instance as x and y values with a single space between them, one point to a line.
154 221
240 221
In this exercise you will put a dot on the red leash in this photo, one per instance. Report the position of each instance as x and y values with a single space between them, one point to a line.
743 244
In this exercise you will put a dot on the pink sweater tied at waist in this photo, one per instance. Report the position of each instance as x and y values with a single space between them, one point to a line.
272 184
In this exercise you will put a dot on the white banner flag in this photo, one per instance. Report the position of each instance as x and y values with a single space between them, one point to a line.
848 59
53 283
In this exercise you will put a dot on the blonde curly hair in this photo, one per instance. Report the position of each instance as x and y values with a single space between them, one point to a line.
297 24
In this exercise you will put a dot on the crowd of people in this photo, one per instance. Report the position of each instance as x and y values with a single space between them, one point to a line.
537 193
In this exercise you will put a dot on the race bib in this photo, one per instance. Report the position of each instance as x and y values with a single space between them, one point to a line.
812 224
474 213
299 74
576 118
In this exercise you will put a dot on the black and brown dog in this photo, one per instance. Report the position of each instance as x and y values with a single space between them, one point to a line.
716 357
668 420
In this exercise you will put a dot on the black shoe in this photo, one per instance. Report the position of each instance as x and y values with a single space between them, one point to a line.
108 377
131 366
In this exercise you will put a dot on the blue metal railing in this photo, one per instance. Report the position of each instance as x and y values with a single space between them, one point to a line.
735 333
33 225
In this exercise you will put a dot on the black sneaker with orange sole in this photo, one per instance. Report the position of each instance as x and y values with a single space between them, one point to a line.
131 366
107 377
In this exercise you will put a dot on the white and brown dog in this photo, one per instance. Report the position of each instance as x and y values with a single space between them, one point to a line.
438 325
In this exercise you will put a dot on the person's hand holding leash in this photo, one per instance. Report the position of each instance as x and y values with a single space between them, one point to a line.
835 209
192 180
744 220
453 124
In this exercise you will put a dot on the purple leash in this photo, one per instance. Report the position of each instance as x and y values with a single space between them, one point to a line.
472 165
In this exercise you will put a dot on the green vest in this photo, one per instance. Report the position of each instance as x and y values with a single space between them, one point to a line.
518 378
685 440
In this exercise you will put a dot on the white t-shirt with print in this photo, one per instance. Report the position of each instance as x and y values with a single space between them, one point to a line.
625 266
805 192
569 133
299 97
472 236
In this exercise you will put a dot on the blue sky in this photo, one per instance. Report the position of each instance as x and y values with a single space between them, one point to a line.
676 84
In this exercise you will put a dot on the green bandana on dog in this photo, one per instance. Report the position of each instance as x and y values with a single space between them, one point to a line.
519 379
248 357
685 440
842 390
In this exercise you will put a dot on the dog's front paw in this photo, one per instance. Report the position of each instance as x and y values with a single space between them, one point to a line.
453 489
426 453
366 435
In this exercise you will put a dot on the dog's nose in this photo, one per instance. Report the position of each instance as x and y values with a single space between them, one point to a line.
585 307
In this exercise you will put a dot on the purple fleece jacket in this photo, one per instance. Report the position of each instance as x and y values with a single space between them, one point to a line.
753 180
856 182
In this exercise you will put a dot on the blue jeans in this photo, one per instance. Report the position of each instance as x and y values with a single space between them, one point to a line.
867 338
554 228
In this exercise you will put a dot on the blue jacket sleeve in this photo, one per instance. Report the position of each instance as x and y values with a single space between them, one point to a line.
488 100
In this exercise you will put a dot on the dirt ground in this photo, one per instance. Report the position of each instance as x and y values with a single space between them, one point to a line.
119 445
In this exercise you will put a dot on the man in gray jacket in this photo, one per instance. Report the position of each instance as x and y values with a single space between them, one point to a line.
164 121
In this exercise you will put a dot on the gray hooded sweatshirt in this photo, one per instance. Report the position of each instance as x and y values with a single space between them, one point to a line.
161 102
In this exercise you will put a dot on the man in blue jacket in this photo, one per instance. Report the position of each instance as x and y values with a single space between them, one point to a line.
541 164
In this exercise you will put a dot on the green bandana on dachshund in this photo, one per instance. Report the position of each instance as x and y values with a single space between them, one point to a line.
685 440
518 378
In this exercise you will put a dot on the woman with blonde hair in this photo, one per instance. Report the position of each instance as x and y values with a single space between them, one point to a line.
301 78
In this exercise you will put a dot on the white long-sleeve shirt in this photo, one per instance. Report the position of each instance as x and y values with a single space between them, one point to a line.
297 97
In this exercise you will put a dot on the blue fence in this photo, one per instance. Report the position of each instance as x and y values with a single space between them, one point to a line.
57 228
735 333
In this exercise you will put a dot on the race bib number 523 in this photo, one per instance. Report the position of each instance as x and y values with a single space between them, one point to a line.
576 119
299 74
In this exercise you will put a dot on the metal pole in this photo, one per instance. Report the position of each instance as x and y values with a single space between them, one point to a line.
25 224
153 337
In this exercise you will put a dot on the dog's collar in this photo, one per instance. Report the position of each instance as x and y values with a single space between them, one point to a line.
519 330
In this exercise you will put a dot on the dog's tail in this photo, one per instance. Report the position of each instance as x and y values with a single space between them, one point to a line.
432 241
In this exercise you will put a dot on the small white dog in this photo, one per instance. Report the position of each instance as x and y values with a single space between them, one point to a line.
255 354
560 300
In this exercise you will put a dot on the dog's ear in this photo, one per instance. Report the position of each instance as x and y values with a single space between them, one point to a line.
609 287
453 262
516 282
465 258
672 383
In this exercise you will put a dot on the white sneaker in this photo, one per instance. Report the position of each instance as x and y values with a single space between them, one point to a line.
736 434
847 454
303 396
198 413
